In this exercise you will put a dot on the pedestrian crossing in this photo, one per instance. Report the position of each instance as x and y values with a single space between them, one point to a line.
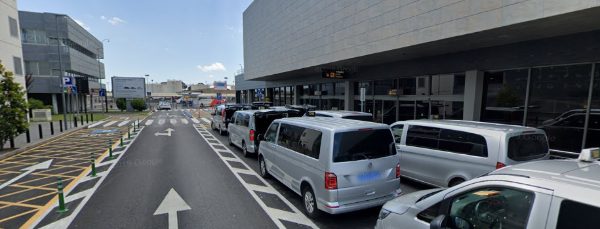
148 122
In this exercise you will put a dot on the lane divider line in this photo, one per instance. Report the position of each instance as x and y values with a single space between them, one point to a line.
296 216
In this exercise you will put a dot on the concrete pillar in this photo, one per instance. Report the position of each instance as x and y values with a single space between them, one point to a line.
297 90
349 95
473 95
54 104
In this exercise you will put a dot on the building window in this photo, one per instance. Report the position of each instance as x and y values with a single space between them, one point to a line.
18 65
448 84
31 36
13 26
504 96
593 131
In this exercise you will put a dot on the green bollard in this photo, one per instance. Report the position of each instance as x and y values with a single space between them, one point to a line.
128 133
138 123
92 159
110 143
121 141
61 197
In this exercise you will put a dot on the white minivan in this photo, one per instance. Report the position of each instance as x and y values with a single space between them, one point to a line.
445 153
336 165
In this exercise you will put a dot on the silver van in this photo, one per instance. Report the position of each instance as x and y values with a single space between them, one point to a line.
246 125
356 115
336 165
449 152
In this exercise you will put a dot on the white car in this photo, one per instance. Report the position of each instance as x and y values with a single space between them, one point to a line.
541 194
164 106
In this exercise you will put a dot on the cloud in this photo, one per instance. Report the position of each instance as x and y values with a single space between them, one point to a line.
83 25
113 20
211 76
212 67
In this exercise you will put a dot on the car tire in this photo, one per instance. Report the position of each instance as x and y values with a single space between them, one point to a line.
212 126
229 140
455 182
309 203
262 168
245 150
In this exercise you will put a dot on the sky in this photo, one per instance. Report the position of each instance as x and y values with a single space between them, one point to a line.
196 41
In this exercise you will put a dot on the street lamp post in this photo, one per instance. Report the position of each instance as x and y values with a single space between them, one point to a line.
60 75
100 75
146 90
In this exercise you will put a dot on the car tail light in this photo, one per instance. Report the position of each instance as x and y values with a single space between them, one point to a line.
330 181
398 170
251 135
500 165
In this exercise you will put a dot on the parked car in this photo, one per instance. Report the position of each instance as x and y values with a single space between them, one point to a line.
356 115
164 106
246 125
356 161
222 116
566 130
445 153
542 194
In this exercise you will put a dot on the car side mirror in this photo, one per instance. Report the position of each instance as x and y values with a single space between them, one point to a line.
438 222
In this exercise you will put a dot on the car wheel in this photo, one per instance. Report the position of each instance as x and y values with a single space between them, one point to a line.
310 203
229 140
455 181
263 167
212 126
245 150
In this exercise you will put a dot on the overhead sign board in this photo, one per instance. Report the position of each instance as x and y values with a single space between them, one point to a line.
128 87
220 85
333 74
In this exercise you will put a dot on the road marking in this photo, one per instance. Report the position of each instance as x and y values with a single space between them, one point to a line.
195 120
276 215
184 121
173 121
109 123
28 170
161 121
165 134
123 123
149 122
170 205
96 124
205 120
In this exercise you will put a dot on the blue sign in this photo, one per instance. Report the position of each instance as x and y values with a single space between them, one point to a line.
68 80
219 96
102 92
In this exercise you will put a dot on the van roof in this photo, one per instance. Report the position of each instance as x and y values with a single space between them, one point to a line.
571 179
333 123
496 127
343 113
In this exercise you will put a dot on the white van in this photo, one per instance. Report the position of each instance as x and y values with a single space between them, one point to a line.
447 153
336 165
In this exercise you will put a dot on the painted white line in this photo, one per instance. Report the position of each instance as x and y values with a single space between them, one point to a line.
149 122
96 124
161 121
173 121
123 123
195 121
171 204
296 216
65 222
184 121
206 120
109 123
28 170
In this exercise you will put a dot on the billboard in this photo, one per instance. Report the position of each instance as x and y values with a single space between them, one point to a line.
128 87
82 84
220 85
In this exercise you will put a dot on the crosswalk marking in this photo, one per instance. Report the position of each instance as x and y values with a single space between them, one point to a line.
109 123
184 121
161 121
123 123
195 120
206 120
96 124
149 122
173 121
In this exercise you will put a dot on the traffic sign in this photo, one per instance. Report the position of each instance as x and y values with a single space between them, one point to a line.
102 92
362 94
68 80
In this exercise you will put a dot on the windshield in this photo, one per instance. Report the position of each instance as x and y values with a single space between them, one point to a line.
363 145
527 147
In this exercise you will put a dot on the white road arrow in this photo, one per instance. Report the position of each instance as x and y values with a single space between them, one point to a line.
165 134
171 204
28 170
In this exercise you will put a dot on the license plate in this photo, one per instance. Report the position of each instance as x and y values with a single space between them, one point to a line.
368 176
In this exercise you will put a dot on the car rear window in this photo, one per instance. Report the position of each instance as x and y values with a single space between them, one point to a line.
363 144
527 147
360 118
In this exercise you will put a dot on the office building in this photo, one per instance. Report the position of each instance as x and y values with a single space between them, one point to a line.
11 54
523 62
54 45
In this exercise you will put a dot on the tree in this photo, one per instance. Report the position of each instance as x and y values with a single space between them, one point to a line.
122 104
36 104
13 107
138 104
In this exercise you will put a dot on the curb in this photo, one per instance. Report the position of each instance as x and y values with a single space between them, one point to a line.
53 138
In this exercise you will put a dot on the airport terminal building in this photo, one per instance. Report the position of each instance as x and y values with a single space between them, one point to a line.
522 62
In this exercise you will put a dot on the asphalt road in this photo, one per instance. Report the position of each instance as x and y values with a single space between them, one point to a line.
359 219
152 166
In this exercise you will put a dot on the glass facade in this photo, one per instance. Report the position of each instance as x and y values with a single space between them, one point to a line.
505 96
